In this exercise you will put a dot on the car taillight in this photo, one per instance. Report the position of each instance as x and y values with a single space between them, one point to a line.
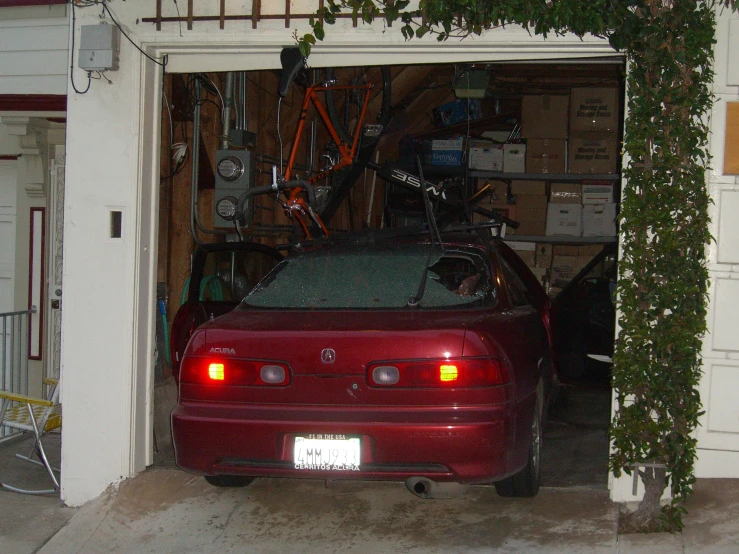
202 370
449 373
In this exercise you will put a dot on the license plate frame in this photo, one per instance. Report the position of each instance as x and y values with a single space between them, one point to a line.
326 452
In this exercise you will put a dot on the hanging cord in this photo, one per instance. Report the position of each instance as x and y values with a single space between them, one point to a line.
162 63
279 134
71 63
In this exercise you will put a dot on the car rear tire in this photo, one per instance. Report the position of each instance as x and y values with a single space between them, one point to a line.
228 480
525 483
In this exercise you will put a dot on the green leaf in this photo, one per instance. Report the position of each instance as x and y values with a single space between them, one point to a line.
304 48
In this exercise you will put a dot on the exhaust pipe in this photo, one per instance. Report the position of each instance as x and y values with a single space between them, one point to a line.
426 488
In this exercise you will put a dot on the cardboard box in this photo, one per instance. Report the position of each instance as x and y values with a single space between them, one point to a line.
546 155
564 219
514 158
593 153
530 228
543 255
531 214
544 116
528 187
532 201
599 220
527 256
596 193
594 110
485 158
540 273
531 221
566 250
565 268
590 250
565 193
506 210
553 291
444 152
497 191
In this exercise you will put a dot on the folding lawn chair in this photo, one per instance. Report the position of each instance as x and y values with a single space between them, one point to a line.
37 416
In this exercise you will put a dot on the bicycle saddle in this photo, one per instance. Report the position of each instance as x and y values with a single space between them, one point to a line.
292 62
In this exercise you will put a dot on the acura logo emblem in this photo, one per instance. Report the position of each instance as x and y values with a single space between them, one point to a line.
328 355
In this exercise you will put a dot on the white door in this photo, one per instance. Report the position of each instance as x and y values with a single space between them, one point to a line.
719 430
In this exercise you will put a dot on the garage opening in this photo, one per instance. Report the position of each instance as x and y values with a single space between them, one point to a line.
534 143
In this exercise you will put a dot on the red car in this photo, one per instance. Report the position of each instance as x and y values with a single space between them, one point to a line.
397 359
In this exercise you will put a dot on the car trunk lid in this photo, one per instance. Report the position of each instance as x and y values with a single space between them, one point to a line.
337 343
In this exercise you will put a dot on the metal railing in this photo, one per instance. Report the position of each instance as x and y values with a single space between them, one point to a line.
14 356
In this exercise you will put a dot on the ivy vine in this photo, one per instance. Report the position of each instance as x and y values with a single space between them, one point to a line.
664 211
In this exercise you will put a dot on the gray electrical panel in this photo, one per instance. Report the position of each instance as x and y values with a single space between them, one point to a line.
99 47
234 176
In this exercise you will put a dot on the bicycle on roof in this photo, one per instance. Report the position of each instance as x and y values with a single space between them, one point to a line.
355 115
344 110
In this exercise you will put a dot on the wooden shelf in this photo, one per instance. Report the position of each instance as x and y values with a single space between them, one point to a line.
502 176
560 239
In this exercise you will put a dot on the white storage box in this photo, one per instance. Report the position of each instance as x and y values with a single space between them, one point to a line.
486 158
564 219
514 158
599 220
597 193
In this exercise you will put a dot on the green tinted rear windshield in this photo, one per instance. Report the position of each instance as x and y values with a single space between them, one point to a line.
373 278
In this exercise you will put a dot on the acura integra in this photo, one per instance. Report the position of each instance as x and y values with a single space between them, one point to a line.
404 359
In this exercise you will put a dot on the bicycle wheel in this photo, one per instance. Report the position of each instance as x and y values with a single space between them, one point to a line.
344 107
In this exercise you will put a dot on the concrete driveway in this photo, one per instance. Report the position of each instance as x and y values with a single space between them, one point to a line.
166 510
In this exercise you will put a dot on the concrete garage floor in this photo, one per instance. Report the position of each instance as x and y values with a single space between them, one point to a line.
167 510
575 446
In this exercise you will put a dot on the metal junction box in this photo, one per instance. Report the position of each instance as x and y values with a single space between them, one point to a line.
99 47
234 175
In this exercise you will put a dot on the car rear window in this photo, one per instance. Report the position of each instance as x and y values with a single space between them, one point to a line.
373 278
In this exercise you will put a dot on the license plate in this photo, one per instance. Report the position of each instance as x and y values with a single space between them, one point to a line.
327 453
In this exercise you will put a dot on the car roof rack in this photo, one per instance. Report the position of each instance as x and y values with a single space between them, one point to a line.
482 231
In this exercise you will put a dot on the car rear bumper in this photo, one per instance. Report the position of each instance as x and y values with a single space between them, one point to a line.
469 445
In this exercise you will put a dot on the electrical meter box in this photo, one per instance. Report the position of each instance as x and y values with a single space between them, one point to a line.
99 47
234 176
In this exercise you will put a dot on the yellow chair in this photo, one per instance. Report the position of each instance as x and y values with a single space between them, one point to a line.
37 416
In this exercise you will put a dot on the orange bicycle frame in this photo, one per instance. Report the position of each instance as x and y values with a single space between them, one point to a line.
295 202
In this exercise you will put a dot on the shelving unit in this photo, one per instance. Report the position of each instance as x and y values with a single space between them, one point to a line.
560 239
573 177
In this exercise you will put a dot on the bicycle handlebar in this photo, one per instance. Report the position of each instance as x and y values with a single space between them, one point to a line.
276 187
412 182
